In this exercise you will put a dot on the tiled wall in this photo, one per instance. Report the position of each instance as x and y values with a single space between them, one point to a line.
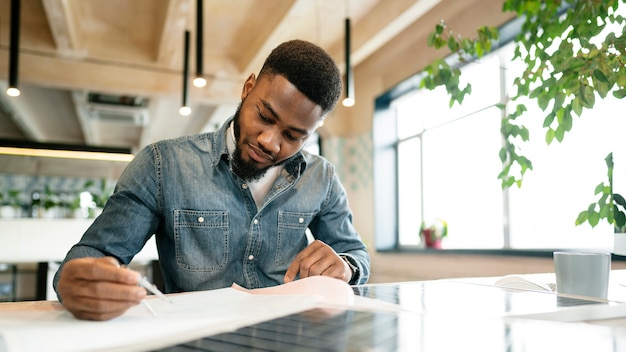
352 157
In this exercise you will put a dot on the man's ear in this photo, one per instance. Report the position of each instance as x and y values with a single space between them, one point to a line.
248 85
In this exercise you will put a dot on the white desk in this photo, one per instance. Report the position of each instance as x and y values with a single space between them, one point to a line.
439 315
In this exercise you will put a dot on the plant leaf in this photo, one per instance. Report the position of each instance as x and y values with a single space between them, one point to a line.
620 94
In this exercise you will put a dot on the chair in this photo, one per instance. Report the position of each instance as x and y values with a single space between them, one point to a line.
8 282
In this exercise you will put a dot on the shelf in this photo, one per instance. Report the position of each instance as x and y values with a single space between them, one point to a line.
49 240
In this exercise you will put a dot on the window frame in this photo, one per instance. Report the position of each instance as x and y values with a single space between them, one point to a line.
385 159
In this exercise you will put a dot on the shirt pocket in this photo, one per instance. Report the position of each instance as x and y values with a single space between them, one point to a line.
201 239
291 235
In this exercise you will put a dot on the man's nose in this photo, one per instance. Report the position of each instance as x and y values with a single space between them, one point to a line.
270 140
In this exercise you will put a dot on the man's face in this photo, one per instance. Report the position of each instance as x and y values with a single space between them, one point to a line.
272 123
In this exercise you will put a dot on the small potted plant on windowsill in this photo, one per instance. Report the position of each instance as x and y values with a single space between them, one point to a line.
433 233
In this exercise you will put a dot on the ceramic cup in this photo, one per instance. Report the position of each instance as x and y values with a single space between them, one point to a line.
585 274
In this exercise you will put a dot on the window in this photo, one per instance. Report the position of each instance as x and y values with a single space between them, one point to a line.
445 165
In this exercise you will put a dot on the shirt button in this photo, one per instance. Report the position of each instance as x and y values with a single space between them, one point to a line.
250 257
301 220
200 219
244 186
256 221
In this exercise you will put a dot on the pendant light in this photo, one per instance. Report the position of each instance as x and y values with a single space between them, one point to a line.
14 45
185 110
199 81
349 82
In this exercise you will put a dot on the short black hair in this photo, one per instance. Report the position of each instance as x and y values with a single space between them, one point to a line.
309 68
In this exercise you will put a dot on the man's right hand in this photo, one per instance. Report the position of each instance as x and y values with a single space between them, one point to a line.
98 288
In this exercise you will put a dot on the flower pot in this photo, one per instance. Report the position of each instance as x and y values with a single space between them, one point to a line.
435 244
9 212
619 243
430 239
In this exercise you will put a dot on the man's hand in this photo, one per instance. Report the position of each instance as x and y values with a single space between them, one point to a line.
98 288
318 258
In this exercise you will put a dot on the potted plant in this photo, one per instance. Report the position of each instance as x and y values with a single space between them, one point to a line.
10 204
51 203
610 207
74 206
99 195
563 80
433 233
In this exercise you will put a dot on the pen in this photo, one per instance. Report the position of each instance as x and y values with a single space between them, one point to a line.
145 304
143 282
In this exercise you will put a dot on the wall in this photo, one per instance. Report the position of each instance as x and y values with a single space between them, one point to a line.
431 266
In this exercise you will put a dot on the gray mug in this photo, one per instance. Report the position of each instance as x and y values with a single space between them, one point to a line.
584 274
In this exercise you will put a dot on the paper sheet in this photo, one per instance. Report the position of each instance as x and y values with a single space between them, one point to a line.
333 293
192 316
330 291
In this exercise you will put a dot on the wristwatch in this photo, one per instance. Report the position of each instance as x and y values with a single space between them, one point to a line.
352 265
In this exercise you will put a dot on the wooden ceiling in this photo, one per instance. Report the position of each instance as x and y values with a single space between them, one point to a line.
134 48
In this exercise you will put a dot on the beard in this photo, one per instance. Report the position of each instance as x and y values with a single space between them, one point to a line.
247 170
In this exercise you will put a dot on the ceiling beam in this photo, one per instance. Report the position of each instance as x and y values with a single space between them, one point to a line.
385 21
288 28
61 20
56 72
174 25
271 24
89 132
24 121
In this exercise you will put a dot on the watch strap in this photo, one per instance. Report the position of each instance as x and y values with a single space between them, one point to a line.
353 266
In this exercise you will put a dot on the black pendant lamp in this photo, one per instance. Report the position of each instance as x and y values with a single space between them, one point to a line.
349 82
185 110
199 81
14 45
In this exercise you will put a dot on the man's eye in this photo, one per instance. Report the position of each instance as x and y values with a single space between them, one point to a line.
265 118
290 136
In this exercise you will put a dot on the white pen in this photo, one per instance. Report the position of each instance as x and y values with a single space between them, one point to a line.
145 304
143 282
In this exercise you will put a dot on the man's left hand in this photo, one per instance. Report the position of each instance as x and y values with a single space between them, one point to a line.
318 259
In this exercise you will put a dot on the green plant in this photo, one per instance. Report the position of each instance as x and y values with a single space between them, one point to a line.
611 206
434 231
567 63
101 194
10 198
50 198
73 201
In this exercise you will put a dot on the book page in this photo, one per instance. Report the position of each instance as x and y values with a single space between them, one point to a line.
191 316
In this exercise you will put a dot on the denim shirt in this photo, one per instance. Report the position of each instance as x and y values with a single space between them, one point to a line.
209 232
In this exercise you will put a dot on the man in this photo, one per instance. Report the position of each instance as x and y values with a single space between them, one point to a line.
227 207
